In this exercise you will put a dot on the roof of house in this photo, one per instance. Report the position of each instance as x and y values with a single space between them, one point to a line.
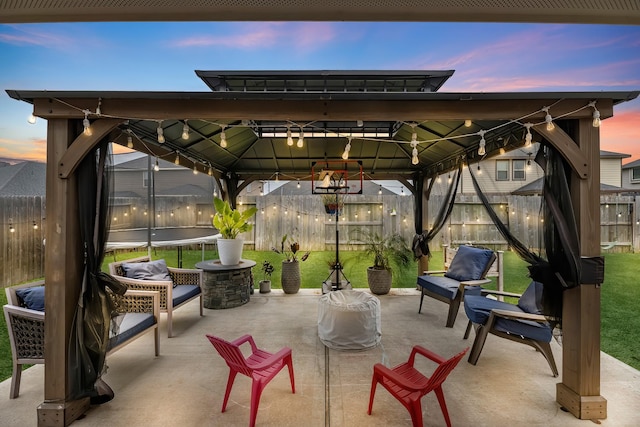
633 164
23 179
535 188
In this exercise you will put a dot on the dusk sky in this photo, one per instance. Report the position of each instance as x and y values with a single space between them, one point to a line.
163 57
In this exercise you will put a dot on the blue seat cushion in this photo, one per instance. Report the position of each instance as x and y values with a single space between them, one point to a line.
470 263
445 286
182 293
33 297
478 309
131 324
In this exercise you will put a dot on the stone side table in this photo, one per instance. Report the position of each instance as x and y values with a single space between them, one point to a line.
226 286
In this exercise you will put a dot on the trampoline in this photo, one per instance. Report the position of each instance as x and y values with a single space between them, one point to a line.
162 237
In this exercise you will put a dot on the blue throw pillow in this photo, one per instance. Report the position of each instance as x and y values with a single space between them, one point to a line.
153 270
469 263
33 298
531 299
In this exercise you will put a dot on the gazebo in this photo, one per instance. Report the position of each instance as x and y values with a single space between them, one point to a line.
395 122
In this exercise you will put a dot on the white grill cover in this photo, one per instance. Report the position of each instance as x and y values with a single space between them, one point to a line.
349 320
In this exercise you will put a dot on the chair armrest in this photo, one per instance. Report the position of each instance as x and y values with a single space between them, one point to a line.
24 312
434 271
186 276
515 315
500 293
475 282
390 374
418 349
243 339
164 287
275 357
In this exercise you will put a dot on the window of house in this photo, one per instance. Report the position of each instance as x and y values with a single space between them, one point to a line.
502 170
635 174
145 179
519 170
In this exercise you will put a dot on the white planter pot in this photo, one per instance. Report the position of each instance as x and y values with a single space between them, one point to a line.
230 251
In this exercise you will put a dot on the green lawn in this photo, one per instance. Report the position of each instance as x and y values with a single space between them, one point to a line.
620 291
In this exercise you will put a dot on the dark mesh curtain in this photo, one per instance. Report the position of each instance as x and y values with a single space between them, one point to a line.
561 269
421 239
95 310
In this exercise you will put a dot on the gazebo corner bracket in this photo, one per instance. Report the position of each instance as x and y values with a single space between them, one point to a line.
568 148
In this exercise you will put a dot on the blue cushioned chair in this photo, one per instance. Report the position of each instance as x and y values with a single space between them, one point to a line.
467 271
522 322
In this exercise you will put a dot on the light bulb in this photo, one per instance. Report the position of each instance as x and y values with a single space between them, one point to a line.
87 126
527 138
31 119
210 172
298 184
223 139
414 137
185 130
177 160
359 123
156 167
548 119
502 151
414 156
481 146
160 133
289 137
596 119
300 142
347 148
195 170
380 190
467 123
129 141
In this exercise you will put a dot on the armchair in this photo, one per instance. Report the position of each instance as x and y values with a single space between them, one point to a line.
522 322
177 286
408 385
467 271
261 366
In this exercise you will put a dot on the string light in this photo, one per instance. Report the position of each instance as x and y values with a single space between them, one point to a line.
86 123
31 119
210 171
414 143
277 176
11 229
479 170
298 185
185 131
156 167
177 160
481 147
548 119
35 225
359 123
527 137
289 137
347 148
223 138
98 110
160 132
129 139
380 190
195 170
300 142
596 115
467 123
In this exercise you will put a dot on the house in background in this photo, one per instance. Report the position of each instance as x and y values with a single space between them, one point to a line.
631 176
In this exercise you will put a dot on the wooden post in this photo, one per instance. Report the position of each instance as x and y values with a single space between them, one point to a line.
579 391
63 278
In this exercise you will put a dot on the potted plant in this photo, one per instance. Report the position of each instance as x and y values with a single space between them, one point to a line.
386 250
265 284
332 203
230 223
290 275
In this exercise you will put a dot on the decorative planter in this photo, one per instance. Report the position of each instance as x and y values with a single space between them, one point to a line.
230 251
265 286
379 280
332 208
290 277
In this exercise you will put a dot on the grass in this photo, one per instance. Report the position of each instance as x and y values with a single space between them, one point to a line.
620 331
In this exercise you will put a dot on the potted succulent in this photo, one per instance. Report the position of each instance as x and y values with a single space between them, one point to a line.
386 250
290 275
265 284
230 223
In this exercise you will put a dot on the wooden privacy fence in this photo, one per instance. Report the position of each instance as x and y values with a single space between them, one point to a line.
304 219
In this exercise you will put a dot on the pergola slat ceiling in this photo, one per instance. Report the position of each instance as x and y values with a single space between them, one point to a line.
329 107
551 11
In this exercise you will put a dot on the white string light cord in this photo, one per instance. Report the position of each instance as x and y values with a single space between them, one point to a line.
289 125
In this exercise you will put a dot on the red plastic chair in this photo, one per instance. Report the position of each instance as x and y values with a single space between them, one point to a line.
260 366
408 385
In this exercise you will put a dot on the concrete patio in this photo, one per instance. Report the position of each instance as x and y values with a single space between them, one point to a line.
511 385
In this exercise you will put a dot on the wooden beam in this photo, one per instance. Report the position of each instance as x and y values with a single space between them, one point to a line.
569 150
63 278
83 144
579 391
203 106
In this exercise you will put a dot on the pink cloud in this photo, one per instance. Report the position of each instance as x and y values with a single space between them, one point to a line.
33 149
621 133
28 35
301 35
